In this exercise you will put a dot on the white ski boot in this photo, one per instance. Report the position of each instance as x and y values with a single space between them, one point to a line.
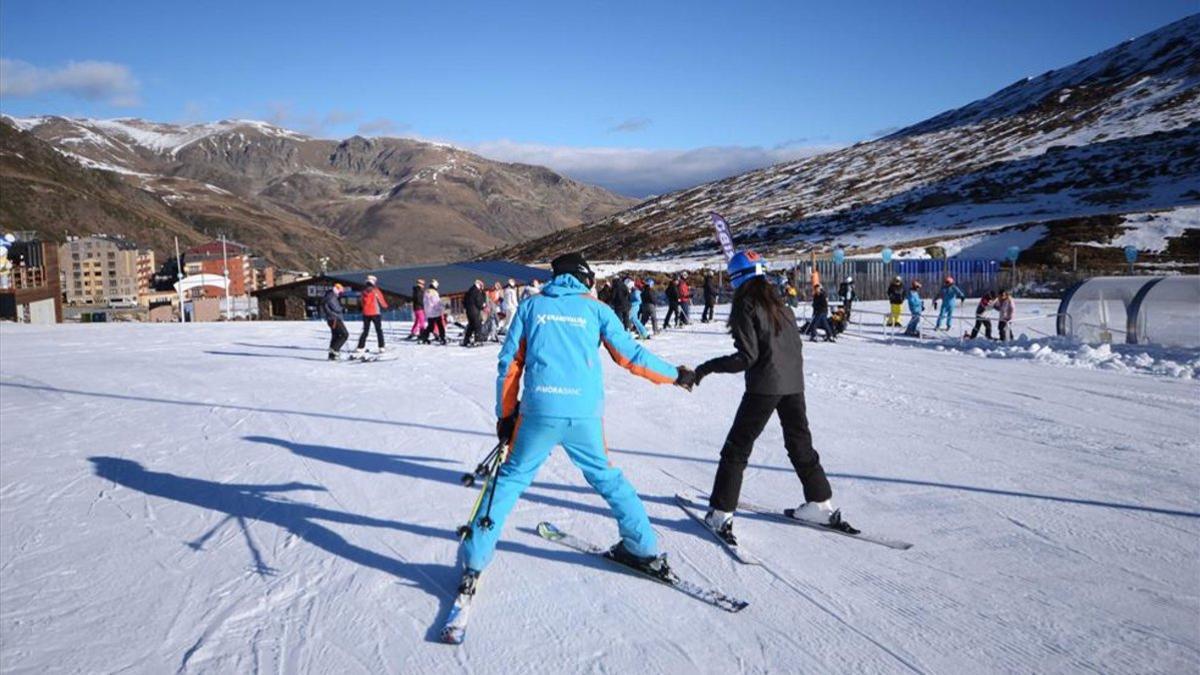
721 523
822 513
358 353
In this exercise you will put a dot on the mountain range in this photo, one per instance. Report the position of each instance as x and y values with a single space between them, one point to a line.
291 198
1100 154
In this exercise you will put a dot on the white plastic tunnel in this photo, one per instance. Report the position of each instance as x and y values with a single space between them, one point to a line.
1134 310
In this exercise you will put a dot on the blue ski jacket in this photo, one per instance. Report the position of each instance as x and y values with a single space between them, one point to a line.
951 295
635 301
915 304
552 344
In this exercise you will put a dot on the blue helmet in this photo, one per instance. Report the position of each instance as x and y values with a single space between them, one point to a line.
745 266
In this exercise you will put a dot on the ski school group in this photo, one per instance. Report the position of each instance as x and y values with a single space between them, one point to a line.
549 393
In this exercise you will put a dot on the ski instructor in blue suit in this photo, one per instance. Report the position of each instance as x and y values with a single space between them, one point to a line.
552 345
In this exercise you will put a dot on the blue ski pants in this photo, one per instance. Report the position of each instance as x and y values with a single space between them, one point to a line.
947 313
914 325
583 439
637 323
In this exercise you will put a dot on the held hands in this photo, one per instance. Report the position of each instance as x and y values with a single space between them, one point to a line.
687 378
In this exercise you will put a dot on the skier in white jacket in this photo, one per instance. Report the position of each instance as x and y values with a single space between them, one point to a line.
433 315
508 304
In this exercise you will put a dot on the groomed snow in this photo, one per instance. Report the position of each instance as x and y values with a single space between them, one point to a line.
217 498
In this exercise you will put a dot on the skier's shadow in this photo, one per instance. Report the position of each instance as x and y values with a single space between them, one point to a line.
264 356
245 501
417 467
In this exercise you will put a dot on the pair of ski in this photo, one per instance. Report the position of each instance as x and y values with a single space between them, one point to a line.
695 506
368 357
455 628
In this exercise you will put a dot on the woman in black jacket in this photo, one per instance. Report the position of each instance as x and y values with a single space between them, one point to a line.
769 351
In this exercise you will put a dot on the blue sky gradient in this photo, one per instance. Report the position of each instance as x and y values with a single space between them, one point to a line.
549 81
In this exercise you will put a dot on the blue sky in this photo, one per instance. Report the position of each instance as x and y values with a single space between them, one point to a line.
638 96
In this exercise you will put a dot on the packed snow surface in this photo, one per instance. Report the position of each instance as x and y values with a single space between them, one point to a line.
218 498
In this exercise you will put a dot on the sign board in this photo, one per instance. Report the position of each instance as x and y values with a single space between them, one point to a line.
318 290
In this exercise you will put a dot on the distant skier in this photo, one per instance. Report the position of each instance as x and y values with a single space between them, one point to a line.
635 309
474 301
895 295
509 304
981 320
620 302
434 322
531 290
418 307
331 311
848 296
1006 308
949 295
373 303
672 294
556 335
915 306
685 302
710 297
649 313
820 318
769 351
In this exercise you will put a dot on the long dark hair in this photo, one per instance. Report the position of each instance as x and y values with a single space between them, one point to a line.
761 293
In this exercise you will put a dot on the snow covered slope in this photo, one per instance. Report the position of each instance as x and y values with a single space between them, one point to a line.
1117 133
217 498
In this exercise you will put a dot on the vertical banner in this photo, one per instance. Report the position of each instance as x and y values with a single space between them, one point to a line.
722 229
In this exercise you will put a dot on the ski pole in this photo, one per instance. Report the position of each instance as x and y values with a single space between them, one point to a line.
481 469
495 459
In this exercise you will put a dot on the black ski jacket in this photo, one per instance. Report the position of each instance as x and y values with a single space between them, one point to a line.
331 307
896 294
418 298
647 297
474 301
820 304
710 291
773 362
620 298
672 294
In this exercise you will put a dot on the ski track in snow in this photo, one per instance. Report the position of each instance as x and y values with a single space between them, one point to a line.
261 510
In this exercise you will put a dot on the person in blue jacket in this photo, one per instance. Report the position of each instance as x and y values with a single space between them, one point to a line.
551 350
635 308
950 295
915 306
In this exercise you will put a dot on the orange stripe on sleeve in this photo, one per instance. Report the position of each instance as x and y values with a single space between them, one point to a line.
512 382
624 362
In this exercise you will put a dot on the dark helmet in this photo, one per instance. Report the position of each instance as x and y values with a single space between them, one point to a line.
575 265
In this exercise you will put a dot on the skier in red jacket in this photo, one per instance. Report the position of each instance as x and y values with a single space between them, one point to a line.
372 303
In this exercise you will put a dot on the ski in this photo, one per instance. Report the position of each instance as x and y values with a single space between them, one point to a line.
689 503
710 596
786 515
454 631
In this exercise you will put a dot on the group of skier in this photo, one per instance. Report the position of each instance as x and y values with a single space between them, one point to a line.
635 302
949 296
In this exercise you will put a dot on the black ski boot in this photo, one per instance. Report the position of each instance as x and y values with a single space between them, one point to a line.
654 565
470 580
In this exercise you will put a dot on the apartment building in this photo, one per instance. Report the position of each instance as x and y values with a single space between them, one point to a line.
29 281
104 270
247 273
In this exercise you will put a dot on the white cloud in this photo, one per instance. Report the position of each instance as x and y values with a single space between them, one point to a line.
639 172
111 83
381 127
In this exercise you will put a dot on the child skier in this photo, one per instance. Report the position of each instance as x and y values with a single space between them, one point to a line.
433 315
556 334
915 306
635 309
950 295
1005 306
820 309
769 351
981 320
418 306
895 294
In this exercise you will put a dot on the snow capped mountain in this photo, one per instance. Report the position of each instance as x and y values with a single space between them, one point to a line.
1114 134
405 199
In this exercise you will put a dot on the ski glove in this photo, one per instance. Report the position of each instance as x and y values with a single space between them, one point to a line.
506 425
686 378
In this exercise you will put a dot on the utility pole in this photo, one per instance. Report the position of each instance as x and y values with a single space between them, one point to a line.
225 266
179 281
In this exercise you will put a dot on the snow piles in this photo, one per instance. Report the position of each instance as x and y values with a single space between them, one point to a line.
1141 359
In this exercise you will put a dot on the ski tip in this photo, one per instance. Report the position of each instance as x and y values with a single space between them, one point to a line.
547 530
738 606
452 637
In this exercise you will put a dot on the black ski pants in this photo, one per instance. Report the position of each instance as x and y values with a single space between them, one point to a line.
707 314
672 313
985 324
433 325
748 424
337 334
474 332
369 321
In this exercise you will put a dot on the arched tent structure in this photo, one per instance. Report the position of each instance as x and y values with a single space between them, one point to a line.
1134 310
1167 312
